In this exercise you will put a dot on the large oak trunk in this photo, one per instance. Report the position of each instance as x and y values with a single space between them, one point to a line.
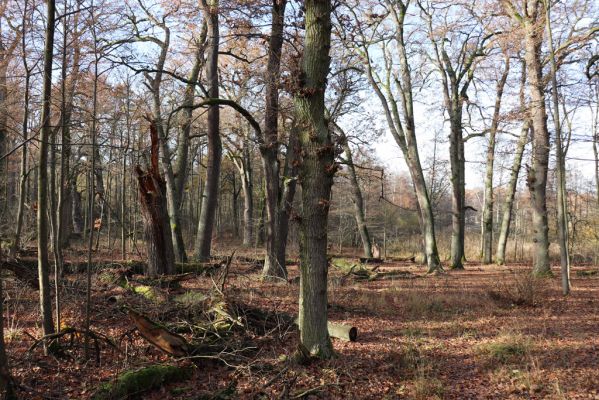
317 168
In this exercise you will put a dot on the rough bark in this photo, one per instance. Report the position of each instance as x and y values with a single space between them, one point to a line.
42 189
210 195
152 190
537 176
317 168
487 224
270 148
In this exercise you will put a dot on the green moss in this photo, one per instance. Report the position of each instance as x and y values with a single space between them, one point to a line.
146 291
131 384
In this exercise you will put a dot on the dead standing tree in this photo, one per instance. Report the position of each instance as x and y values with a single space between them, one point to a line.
152 190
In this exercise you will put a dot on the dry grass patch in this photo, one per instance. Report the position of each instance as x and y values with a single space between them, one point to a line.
506 349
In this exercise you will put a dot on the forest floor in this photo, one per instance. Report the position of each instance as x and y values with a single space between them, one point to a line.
485 332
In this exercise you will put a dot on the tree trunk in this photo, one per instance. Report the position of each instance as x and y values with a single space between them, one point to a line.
77 209
458 211
3 119
152 190
506 218
270 147
25 133
537 177
487 229
317 168
42 189
182 159
405 133
6 383
210 195
68 86
358 201
288 189
562 196
173 200
247 187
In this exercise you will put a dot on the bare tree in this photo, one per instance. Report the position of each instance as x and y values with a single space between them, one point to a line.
273 265
42 181
457 73
487 223
210 195
506 214
400 115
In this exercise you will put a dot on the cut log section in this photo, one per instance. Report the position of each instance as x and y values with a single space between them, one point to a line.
339 331
344 332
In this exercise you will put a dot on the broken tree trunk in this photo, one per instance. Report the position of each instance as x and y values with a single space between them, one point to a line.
160 337
152 190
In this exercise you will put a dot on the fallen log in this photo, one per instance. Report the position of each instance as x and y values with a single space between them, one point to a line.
339 331
160 337
411 259
371 260
265 321
24 273
132 383
344 332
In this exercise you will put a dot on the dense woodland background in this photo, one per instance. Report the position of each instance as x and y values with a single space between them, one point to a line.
155 149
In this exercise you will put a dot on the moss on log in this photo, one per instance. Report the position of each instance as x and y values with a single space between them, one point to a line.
132 383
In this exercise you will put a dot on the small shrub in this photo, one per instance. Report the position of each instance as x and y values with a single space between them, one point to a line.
522 290
506 349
